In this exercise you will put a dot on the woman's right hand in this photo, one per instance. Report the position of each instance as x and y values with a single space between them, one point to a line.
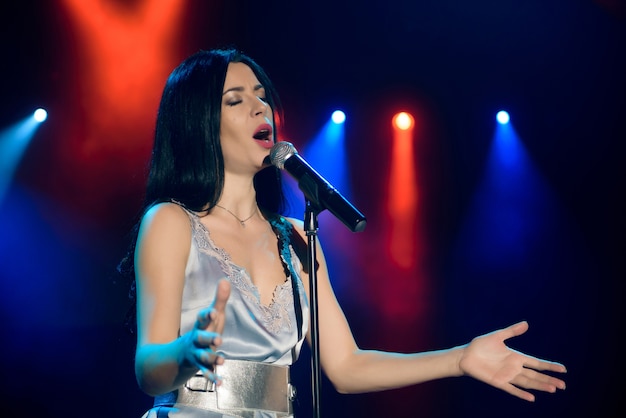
201 343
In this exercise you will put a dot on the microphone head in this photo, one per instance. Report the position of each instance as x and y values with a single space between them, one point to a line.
280 152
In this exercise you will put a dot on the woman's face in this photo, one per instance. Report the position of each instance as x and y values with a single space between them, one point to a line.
246 122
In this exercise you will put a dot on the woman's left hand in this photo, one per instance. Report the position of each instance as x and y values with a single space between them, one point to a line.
488 359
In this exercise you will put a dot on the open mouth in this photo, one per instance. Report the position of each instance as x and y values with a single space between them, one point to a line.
262 135
263 132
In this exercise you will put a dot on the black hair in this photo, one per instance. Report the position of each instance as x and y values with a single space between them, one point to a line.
187 164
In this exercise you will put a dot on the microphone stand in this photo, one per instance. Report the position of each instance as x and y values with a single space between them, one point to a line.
311 228
319 195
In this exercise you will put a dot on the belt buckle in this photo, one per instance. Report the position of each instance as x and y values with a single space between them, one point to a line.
200 383
291 392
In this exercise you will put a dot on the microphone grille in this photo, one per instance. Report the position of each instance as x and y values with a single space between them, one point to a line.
280 152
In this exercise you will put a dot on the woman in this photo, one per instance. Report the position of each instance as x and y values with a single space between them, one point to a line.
222 304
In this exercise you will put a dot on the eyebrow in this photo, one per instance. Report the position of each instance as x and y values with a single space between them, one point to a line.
240 89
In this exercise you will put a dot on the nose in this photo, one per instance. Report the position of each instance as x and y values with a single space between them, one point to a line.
260 107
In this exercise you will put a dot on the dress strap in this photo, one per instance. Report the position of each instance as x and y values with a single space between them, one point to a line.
285 233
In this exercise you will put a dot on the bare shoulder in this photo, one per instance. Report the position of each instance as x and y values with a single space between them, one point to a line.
166 217
164 238
166 211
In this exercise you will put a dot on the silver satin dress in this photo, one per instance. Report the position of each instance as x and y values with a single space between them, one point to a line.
253 331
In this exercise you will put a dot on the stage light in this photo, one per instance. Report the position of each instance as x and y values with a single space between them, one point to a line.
403 121
40 115
338 117
13 143
502 117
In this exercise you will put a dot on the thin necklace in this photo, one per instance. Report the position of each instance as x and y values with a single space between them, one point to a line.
241 221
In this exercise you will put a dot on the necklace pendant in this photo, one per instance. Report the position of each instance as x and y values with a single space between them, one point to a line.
241 221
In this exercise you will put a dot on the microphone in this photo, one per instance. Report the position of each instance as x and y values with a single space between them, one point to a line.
317 190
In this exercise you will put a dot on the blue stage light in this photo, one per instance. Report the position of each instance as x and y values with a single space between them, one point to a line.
502 117
338 117
40 115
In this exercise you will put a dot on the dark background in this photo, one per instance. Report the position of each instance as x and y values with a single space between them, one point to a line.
557 66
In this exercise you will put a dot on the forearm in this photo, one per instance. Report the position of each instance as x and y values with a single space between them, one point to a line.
159 368
370 371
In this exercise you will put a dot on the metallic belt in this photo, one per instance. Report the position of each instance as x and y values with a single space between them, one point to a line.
246 385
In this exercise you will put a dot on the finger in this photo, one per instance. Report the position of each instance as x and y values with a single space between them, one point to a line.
206 359
530 379
213 377
522 394
205 339
208 315
221 295
514 330
544 365
203 319
218 306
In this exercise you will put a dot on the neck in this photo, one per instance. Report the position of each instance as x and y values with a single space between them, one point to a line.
238 196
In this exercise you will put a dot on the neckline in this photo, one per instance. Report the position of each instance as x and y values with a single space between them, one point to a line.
226 257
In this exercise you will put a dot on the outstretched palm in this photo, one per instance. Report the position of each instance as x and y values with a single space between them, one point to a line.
488 359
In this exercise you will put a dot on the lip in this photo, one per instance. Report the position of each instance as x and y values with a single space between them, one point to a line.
264 127
265 143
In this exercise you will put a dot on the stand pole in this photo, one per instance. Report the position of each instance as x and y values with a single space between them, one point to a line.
311 228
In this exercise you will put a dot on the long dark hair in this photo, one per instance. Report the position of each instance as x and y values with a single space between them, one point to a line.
187 164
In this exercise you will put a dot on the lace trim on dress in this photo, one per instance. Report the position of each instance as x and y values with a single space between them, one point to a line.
275 316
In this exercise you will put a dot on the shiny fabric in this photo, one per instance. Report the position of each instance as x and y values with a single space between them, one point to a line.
188 412
245 384
253 331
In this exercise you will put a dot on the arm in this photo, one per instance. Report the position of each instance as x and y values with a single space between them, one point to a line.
163 360
486 358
